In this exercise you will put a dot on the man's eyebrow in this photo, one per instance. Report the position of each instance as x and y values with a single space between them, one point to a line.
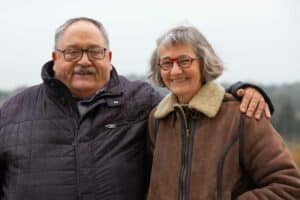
72 46
90 46
95 45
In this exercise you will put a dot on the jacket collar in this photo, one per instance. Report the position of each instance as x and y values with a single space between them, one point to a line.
207 101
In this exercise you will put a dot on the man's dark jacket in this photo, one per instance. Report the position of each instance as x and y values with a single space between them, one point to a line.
49 152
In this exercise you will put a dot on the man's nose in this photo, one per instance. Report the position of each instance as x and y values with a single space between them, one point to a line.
84 59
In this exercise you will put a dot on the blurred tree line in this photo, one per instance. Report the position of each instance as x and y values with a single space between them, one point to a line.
5 94
285 97
286 100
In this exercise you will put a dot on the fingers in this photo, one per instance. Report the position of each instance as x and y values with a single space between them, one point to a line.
260 108
254 101
248 93
240 92
267 111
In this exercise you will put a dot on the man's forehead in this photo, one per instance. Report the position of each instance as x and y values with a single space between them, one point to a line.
83 32
82 27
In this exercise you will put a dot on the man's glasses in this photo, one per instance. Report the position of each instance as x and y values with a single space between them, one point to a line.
183 61
75 54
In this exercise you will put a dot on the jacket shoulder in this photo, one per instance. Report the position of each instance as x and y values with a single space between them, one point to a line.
21 101
230 105
229 98
22 96
140 90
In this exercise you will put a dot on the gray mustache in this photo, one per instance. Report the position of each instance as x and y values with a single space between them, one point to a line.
80 69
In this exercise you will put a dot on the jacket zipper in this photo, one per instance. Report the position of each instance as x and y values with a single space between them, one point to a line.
186 156
186 164
76 159
75 148
189 155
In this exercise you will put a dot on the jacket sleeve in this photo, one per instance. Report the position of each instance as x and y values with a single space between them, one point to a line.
238 85
269 163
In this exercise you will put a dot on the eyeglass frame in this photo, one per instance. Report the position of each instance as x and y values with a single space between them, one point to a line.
87 51
191 59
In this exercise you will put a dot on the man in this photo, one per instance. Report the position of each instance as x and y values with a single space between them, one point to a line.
81 133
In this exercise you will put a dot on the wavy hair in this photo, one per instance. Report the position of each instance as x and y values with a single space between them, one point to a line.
212 65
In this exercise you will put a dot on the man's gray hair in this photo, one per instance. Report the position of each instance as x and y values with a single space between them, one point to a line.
212 65
61 29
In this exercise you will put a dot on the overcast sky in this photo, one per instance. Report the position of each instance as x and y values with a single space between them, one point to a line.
258 40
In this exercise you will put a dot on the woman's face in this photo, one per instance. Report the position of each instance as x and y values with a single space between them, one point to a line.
184 81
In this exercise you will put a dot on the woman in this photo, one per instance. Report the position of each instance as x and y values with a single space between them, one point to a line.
202 147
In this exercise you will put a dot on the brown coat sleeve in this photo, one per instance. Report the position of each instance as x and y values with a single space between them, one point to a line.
269 163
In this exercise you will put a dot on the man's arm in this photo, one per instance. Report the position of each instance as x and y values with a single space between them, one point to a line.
254 99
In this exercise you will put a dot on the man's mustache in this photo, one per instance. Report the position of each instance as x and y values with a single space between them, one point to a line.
84 70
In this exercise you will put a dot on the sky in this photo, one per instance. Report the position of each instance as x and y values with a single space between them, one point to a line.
258 40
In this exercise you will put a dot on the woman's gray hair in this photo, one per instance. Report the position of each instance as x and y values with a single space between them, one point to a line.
212 64
61 29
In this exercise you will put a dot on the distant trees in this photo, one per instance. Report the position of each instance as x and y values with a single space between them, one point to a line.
285 119
286 100
5 94
285 97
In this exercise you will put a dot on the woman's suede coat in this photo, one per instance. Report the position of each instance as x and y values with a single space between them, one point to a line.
197 152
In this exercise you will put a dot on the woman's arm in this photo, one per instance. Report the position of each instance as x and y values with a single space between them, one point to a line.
269 163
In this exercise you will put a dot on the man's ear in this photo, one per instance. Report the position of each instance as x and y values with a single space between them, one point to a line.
54 55
109 55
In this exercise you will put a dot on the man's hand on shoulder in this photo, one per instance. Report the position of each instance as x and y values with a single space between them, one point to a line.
253 103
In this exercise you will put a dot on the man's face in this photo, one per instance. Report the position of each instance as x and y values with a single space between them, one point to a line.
87 75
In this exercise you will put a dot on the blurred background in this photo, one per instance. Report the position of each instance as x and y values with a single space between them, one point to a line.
258 40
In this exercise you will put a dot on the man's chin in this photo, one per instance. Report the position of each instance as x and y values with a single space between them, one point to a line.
83 90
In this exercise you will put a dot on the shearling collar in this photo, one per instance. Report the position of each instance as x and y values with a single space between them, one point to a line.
207 101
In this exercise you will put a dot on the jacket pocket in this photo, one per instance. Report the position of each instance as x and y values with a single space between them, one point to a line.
120 124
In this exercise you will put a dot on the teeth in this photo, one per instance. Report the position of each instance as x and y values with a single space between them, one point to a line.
179 80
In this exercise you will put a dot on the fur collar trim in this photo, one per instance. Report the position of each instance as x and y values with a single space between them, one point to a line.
207 101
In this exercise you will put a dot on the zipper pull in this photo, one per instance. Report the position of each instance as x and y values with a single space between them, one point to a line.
111 126
188 132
